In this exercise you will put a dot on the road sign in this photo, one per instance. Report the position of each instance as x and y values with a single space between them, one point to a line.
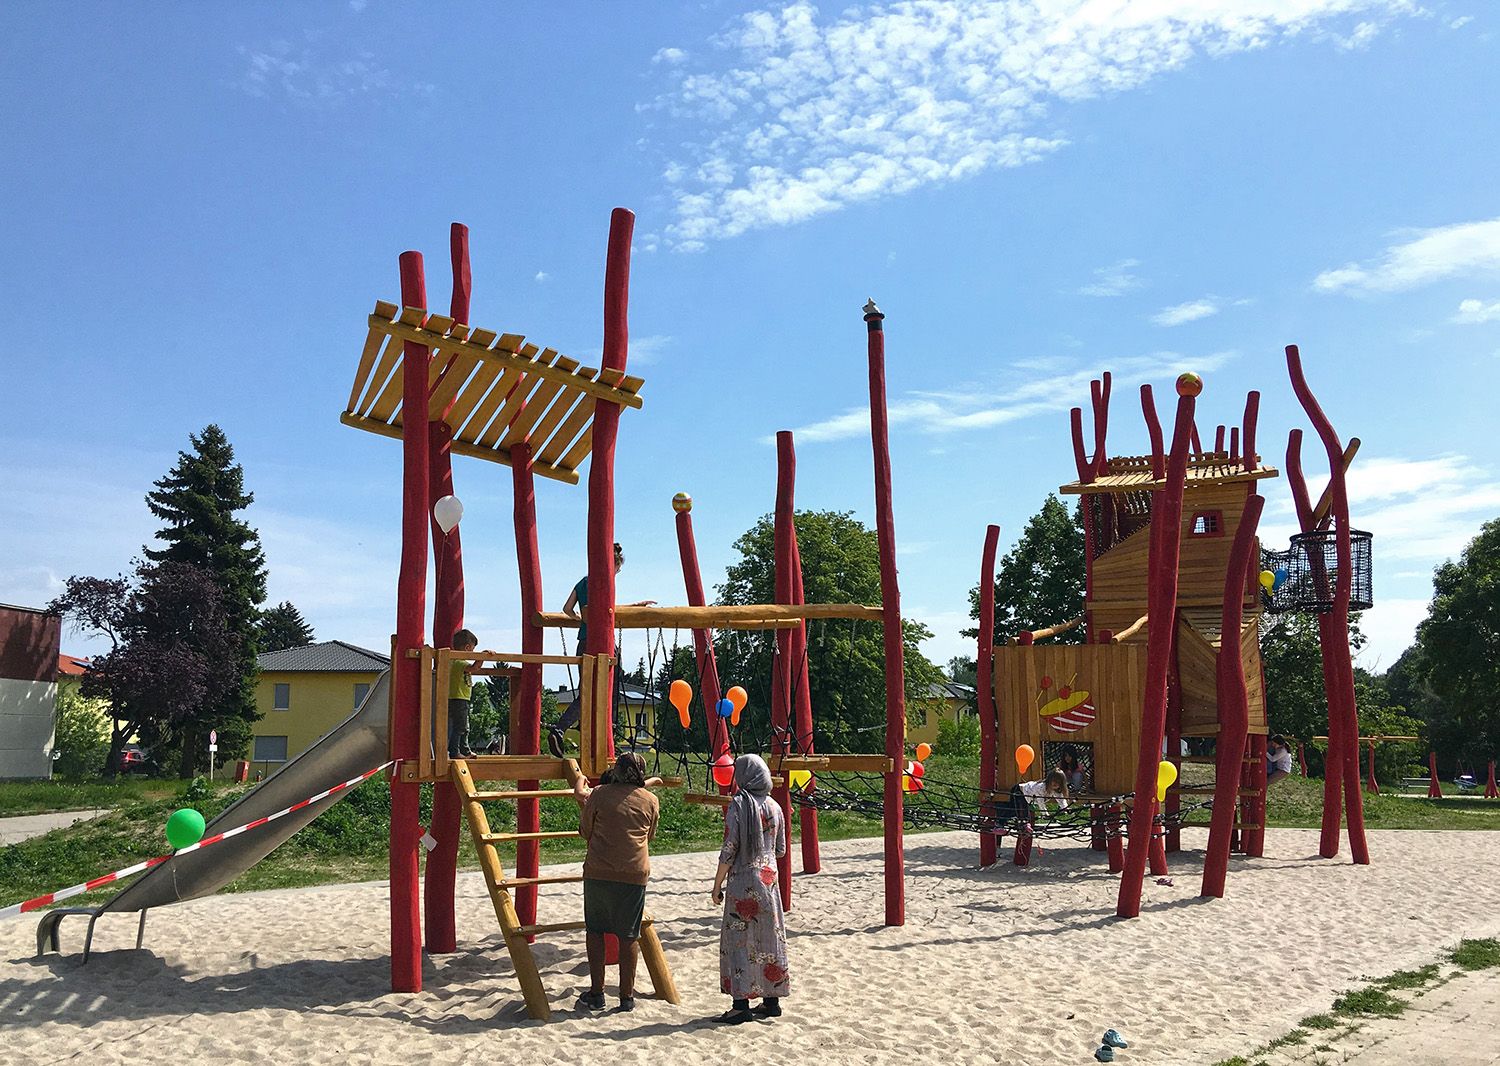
213 738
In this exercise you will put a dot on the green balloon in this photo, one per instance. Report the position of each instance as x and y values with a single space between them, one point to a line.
184 827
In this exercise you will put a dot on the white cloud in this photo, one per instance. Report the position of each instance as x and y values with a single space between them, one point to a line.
670 56
1191 311
811 114
358 6
1427 256
1460 22
1113 280
1389 627
319 71
1473 312
985 405
541 276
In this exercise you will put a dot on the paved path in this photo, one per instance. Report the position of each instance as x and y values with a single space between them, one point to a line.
26 826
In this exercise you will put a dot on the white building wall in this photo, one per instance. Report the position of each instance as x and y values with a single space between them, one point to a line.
28 712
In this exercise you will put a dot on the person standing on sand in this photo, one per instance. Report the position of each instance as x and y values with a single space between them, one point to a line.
619 822
752 942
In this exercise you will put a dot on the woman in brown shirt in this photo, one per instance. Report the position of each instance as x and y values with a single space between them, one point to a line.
619 821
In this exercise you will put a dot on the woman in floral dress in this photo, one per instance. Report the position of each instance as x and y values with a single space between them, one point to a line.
752 944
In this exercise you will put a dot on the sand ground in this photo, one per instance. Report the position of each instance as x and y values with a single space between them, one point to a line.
1002 965
25 826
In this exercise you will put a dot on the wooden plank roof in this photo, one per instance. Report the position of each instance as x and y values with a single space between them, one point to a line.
1132 473
493 391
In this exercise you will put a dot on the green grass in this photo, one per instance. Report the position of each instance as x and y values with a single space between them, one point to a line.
1477 954
1319 1021
1370 1001
46 797
1409 980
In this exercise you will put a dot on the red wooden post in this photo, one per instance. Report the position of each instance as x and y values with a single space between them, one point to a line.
1252 415
1153 431
447 619
1373 783
1301 759
1158 858
1166 533
1097 835
1086 476
1108 529
1333 762
1219 438
1021 856
526 700
1116 844
600 611
807 817
781 675
1434 789
890 603
984 681
703 646
411 609
1490 789
1173 833
1335 624
1233 699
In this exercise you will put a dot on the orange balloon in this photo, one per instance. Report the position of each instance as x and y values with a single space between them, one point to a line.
1025 756
737 698
734 719
923 751
681 695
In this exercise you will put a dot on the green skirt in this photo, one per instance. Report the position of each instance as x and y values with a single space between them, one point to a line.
613 907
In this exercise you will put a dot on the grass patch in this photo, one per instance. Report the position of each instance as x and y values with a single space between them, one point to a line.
1409 979
1296 1036
1477 954
1320 1021
48 797
1238 1060
1369 1002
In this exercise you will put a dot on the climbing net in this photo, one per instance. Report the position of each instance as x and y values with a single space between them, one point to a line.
929 800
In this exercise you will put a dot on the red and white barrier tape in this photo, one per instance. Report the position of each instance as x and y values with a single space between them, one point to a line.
98 882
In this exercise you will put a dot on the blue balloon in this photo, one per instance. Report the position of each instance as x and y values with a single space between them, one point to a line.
1280 579
725 709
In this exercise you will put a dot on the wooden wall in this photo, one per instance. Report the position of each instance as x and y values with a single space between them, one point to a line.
1197 672
1111 673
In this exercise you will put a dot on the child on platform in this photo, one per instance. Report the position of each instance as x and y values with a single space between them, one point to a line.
460 689
1023 796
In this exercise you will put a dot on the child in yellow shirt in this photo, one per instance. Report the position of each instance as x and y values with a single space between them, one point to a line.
460 689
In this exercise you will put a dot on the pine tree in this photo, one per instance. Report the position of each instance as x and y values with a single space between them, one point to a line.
282 627
198 502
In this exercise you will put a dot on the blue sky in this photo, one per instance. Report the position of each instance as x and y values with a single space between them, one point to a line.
202 202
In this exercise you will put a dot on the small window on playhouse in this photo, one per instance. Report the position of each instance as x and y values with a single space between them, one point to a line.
1074 759
1207 524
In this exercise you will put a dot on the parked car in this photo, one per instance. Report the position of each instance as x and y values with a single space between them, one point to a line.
134 759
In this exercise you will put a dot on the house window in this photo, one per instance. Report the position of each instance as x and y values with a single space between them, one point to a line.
269 749
361 690
1207 524
640 721
283 698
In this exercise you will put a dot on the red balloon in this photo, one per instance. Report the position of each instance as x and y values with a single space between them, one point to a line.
724 770
918 770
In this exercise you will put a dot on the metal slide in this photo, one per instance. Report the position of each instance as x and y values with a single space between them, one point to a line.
357 745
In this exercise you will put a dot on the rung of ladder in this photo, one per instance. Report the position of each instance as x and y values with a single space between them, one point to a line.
524 794
501 838
554 927
1211 760
517 882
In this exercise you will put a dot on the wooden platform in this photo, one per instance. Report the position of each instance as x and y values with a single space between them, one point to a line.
493 390
1132 473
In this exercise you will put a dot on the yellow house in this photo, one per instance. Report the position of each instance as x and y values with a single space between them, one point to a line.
303 693
943 700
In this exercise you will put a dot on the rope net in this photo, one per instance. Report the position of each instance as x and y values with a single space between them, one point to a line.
1307 573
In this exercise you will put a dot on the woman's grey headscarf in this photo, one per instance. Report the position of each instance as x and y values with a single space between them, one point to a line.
754 778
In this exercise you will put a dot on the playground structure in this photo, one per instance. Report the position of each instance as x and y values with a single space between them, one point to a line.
443 388
1171 535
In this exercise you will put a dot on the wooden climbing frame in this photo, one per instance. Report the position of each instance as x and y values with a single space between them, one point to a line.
518 936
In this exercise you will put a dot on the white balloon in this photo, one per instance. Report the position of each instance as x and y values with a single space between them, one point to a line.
447 511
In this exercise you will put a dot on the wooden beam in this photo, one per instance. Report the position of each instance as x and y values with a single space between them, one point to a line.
1325 501
722 616
458 447
1131 630
583 380
876 764
1052 631
501 768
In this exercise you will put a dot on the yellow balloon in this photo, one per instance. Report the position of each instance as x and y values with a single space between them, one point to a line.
799 780
1268 580
1166 773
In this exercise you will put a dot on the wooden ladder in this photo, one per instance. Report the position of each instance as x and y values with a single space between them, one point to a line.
518 936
